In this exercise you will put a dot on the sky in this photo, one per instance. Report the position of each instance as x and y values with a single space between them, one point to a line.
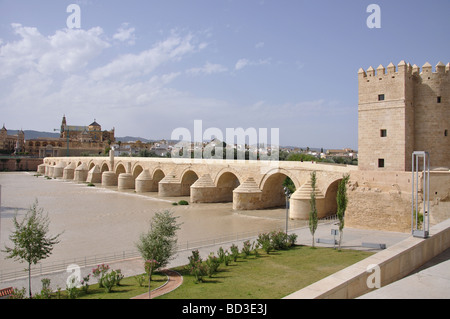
149 67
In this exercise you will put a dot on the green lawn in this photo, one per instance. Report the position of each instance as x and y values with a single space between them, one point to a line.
268 276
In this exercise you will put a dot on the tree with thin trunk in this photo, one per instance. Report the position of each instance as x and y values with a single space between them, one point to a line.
313 219
342 201
31 240
159 244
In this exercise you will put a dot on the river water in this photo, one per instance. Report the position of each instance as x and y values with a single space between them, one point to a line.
99 220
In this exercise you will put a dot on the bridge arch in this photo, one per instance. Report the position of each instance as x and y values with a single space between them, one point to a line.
330 207
226 182
157 175
188 178
104 167
272 188
120 168
137 170
276 171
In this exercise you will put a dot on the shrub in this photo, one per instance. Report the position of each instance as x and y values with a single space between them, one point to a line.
265 242
196 267
84 283
234 252
279 240
174 204
119 276
100 272
194 258
109 280
18 293
46 292
212 265
292 239
198 270
183 202
246 249
255 248
71 288
221 255
140 279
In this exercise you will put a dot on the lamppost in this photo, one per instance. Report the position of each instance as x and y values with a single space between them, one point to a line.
287 193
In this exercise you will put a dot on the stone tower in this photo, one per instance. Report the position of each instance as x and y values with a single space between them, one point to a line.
63 125
401 111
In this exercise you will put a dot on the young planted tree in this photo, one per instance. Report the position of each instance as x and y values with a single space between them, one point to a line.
158 246
31 240
342 201
313 219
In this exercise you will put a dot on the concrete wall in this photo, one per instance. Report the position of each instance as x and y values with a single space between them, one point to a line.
395 263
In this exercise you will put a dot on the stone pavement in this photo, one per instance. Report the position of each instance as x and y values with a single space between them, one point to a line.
431 281
352 239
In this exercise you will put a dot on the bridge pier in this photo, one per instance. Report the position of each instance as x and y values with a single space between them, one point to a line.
58 171
169 186
69 172
300 202
125 181
247 196
94 175
109 178
203 190
144 182
81 173
41 169
50 170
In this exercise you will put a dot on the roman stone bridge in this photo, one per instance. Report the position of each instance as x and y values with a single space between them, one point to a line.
249 185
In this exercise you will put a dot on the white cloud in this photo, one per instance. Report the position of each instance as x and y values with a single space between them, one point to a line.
134 65
242 63
125 34
208 68
67 50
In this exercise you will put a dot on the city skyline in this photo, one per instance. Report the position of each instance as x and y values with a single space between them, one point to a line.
148 68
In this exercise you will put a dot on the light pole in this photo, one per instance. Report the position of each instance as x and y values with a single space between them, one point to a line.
287 193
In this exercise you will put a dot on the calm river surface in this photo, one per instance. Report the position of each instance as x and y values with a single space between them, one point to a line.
98 220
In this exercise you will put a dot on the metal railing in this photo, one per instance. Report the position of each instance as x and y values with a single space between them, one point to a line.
92 261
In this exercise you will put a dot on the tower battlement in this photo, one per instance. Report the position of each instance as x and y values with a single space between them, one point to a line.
406 69
403 109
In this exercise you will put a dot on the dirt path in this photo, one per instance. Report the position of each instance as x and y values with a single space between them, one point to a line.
175 280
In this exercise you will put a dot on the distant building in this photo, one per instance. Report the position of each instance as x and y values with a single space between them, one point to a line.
346 153
11 144
74 140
